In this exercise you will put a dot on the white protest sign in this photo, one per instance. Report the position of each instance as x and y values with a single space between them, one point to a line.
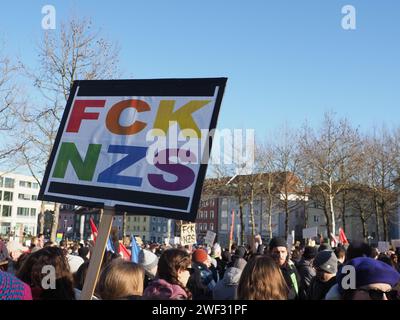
177 240
210 237
383 246
396 243
290 242
188 234
136 145
310 232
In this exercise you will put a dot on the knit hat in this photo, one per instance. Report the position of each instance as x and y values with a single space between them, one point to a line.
309 253
147 259
369 271
200 256
239 263
327 261
240 251
277 242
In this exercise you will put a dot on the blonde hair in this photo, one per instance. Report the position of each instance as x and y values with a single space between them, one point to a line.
120 279
262 279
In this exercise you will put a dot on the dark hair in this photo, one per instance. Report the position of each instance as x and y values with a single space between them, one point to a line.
31 273
340 252
384 258
80 275
358 249
83 252
170 262
62 243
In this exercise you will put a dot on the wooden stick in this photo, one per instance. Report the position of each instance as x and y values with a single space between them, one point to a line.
98 253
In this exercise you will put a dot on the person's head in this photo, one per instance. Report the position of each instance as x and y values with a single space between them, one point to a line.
75 248
374 280
173 267
31 272
240 252
201 256
384 258
309 253
358 249
340 253
278 250
34 242
83 252
63 244
262 279
326 265
120 279
374 253
80 275
15 250
216 251
148 260
226 256
49 244
394 259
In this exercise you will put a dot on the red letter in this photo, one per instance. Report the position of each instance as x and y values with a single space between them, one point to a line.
78 113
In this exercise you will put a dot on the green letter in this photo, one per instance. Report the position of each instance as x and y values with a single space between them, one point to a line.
84 169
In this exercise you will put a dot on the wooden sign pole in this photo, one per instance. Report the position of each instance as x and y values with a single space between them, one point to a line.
98 253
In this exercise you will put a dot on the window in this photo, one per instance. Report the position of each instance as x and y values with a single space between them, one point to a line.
1 192
23 212
212 214
8 196
154 228
212 226
316 219
165 229
1 181
134 219
224 227
6 212
35 185
33 213
205 226
24 196
34 197
144 219
158 229
9 183
205 213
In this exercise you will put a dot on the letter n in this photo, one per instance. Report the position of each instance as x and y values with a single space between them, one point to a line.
84 169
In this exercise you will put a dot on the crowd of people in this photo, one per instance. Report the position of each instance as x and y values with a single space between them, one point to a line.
272 271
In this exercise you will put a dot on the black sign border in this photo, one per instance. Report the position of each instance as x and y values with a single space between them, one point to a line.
179 87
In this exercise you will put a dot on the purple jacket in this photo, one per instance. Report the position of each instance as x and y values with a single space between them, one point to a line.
160 289
11 288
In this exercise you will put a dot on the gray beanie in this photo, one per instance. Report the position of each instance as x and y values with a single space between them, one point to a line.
327 261
148 260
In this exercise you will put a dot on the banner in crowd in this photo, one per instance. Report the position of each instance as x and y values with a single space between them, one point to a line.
383 246
396 243
188 234
309 233
135 145
210 237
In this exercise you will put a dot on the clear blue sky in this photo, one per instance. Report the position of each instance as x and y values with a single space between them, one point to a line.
286 60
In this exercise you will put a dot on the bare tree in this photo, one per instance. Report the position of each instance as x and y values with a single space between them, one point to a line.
335 144
72 52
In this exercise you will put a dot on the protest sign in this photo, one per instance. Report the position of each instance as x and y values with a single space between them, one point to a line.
188 234
210 237
310 232
383 246
124 144
396 243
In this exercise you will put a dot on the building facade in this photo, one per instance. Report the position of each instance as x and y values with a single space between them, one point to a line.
19 207
207 218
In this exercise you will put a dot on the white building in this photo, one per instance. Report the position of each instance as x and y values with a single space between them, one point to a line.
19 207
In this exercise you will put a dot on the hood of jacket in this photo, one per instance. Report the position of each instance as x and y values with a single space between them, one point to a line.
232 276
163 290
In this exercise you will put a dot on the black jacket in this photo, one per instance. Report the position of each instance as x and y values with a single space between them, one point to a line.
319 289
292 279
306 273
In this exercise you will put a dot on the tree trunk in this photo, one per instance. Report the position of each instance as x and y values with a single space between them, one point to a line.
344 211
286 218
41 218
378 237
305 208
124 226
385 225
328 222
252 214
54 225
332 215
241 222
364 226
270 216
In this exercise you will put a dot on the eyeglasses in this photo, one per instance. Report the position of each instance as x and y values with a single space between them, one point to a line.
376 294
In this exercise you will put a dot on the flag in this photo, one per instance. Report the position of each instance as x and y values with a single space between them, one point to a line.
232 225
123 251
342 237
334 240
93 228
135 249
110 245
